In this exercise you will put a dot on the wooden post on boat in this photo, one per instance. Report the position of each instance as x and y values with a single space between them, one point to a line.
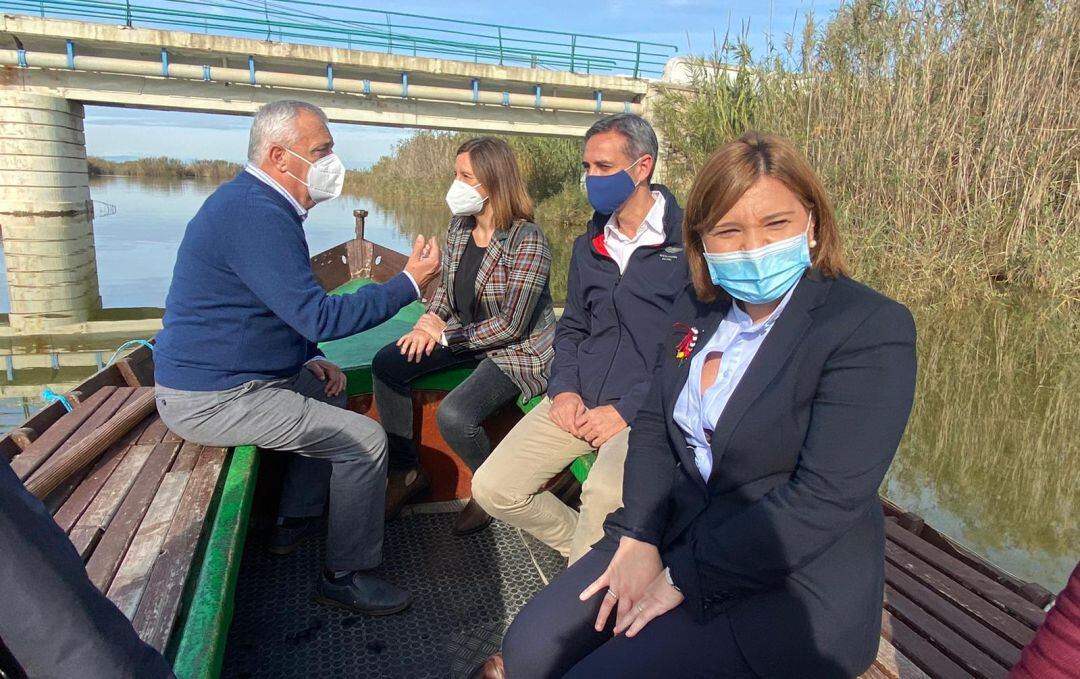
360 251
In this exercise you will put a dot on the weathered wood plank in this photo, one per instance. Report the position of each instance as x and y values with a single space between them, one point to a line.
83 453
23 437
72 510
892 664
992 616
85 539
919 650
100 512
944 638
186 458
992 591
160 603
970 628
110 551
130 581
107 409
27 462
155 432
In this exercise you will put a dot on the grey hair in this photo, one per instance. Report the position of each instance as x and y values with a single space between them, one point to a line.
635 130
275 123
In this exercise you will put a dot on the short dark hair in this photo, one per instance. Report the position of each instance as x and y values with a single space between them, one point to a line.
636 131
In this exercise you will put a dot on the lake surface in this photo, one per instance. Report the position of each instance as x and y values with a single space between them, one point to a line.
991 456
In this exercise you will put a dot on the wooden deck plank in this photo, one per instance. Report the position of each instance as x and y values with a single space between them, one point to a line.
892 664
944 638
112 493
919 650
121 530
992 616
101 415
85 539
992 591
43 447
155 432
959 620
160 603
186 458
130 581
72 510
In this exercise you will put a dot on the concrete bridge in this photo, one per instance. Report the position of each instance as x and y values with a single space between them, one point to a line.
51 68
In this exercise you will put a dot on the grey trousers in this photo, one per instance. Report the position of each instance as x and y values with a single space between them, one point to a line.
338 452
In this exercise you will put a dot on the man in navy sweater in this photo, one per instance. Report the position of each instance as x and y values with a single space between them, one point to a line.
237 361
625 272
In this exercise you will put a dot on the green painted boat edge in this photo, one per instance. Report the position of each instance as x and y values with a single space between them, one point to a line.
201 649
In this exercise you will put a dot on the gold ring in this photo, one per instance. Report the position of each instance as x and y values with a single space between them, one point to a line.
640 607
611 593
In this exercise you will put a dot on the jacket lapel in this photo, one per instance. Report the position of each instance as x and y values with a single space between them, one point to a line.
706 318
770 358
457 237
490 260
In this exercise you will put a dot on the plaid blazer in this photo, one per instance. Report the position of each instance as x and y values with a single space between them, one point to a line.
512 289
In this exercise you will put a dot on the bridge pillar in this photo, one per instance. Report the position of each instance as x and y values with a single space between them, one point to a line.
45 212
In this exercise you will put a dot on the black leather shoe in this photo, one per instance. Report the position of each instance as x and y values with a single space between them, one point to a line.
401 490
363 593
284 540
471 519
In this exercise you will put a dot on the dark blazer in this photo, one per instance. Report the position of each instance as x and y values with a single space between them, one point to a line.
787 535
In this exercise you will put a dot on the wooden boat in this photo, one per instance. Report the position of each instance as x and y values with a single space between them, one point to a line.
164 527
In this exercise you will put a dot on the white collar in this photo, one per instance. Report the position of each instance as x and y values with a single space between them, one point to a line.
654 220
259 174
746 324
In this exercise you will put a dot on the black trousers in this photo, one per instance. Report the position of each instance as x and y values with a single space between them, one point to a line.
52 618
553 636
460 414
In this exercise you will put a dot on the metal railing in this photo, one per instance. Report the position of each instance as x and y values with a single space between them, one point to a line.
325 23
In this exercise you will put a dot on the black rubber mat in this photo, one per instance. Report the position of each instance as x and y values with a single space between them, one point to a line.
465 590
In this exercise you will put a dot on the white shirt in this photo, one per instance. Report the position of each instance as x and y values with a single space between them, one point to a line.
303 213
650 233
738 338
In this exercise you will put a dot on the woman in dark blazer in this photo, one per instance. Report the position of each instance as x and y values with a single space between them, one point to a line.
751 542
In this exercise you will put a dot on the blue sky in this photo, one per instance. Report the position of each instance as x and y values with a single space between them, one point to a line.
691 25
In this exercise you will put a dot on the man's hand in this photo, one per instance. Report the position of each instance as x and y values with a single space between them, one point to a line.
416 345
567 409
600 424
327 372
425 262
431 324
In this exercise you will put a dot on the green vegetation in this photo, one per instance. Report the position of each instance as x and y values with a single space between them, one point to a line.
217 170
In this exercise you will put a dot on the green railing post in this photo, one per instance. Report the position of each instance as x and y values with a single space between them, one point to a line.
42 8
637 58
389 35
500 47
573 51
127 13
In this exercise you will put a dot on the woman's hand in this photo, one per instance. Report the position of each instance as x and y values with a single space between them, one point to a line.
659 598
416 345
634 567
431 324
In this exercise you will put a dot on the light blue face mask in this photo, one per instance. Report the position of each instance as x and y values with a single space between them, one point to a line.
764 274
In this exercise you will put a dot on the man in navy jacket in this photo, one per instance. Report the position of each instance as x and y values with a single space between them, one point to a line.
237 361
625 272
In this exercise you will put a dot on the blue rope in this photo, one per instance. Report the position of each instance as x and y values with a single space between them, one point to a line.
50 396
127 345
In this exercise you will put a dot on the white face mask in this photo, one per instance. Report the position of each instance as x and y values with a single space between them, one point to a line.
464 200
325 177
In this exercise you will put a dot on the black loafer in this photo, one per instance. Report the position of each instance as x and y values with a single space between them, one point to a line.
285 540
363 593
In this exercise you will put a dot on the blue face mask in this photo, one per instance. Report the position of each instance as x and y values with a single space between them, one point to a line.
764 274
608 192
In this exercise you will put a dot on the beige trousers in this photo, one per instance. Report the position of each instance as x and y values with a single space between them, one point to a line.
508 484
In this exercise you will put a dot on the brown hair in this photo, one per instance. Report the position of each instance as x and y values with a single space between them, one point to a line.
495 166
727 175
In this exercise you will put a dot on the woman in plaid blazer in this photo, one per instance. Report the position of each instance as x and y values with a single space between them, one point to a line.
492 311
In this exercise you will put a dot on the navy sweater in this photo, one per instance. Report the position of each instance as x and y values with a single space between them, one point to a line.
612 326
243 304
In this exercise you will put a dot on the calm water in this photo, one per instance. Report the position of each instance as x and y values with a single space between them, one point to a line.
991 456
